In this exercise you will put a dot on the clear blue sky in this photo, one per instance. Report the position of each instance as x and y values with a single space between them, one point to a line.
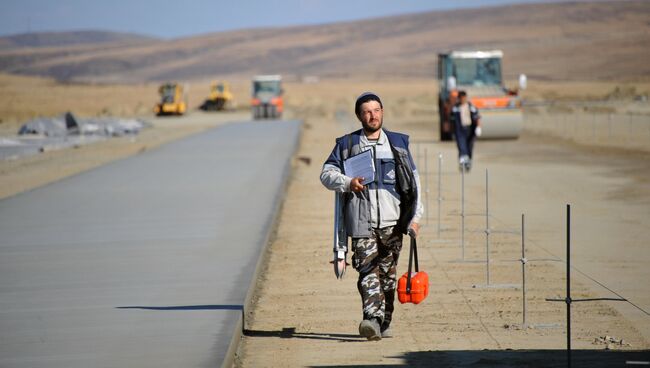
171 19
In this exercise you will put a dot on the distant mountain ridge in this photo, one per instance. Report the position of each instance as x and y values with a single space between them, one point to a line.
550 41
69 38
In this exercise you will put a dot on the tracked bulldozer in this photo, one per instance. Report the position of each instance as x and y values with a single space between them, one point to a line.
173 100
479 73
220 97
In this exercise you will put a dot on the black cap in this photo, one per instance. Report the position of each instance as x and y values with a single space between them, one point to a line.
365 97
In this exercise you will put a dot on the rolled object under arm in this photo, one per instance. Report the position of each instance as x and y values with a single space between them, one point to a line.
340 241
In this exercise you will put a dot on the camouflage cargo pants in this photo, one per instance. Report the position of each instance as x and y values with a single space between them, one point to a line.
375 259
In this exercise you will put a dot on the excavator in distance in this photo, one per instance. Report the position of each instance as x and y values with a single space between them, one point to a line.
220 97
173 100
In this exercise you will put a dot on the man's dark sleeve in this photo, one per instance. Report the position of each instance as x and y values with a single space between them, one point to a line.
408 149
334 158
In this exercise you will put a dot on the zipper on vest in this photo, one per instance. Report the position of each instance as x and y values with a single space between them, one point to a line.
374 154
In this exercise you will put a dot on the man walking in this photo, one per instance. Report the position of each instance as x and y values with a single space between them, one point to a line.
377 214
467 126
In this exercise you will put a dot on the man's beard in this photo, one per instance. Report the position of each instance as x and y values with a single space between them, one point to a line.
368 129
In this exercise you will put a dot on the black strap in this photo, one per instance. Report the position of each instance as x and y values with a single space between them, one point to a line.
349 145
342 156
413 253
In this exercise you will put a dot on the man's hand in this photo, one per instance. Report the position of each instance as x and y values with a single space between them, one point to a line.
414 230
355 184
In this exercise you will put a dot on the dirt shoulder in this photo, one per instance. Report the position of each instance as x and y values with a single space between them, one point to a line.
303 316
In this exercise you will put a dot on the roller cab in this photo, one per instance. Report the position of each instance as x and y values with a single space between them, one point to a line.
479 73
266 99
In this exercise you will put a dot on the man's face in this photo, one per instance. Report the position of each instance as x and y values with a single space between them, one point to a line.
372 116
463 99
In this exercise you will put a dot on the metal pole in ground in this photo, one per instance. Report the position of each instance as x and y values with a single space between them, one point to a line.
609 125
439 189
487 230
523 273
568 299
568 284
630 131
426 186
593 125
462 212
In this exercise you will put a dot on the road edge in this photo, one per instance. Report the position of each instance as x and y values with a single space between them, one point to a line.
271 232
144 146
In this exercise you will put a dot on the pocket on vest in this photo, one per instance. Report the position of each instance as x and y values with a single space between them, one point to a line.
388 171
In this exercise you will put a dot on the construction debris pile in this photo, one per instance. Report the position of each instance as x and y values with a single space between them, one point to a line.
68 124
46 134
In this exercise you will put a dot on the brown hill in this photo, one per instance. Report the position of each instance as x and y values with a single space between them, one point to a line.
59 39
556 41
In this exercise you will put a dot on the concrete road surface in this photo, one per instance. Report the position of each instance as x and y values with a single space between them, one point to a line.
144 262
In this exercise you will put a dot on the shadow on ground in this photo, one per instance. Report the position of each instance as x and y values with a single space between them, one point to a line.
518 358
290 333
285 333
236 307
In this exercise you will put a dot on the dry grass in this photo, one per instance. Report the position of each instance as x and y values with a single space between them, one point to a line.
23 98
584 90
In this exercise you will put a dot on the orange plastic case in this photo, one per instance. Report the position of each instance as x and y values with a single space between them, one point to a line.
419 288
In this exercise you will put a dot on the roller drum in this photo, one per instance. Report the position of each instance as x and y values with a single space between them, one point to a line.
497 124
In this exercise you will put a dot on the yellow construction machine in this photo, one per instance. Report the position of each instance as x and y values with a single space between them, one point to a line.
220 97
173 100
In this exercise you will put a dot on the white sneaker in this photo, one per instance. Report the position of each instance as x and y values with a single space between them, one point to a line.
370 329
464 163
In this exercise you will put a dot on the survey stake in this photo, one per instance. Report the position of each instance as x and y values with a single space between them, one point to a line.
361 165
